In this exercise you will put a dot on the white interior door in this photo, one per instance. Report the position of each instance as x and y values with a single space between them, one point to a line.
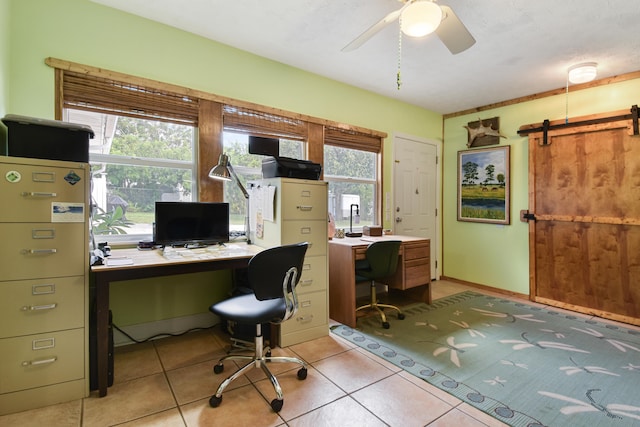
416 191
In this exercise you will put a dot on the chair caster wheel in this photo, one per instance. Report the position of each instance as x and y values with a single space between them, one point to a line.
386 325
302 373
218 368
215 401
276 405
400 316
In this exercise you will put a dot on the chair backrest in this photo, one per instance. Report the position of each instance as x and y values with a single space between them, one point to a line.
269 272
382 257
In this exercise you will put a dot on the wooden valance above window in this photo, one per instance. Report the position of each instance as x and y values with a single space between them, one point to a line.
349 138
95 89
262 123
104 95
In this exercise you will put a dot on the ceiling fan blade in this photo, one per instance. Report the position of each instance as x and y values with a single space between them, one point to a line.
373 30
453 33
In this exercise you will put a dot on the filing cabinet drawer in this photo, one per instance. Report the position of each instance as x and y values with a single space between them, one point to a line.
37 250
39 360
312 312
314 274
31 190
314 232
29 306
306 201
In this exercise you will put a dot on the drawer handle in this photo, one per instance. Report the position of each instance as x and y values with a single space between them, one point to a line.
37 194
43 233
39 307
306 282
43 289
305 207
305 230
307 318
39 362
38 251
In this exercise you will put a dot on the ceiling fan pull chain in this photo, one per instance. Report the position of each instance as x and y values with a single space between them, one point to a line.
398 78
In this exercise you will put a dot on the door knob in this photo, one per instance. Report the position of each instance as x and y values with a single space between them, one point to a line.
398 219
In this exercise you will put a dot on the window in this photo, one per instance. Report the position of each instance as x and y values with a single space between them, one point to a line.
134 163
145 149
352 178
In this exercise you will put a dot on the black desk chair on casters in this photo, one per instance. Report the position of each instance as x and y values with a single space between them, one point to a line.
381 260
273 275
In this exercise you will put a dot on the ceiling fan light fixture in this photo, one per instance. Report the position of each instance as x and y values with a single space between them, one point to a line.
420 18
583 73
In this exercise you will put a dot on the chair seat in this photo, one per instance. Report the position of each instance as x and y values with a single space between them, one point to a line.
247 309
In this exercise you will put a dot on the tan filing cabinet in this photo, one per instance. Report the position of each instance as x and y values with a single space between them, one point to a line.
299 215
43 282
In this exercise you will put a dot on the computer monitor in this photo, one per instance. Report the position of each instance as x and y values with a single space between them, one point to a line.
191 223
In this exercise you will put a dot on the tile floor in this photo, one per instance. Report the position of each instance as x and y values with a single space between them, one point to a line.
168 382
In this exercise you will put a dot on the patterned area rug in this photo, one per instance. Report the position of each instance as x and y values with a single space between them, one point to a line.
522 364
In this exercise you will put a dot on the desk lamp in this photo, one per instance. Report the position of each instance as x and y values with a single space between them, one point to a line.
224 171
351 232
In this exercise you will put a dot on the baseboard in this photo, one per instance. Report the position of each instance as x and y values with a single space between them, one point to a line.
486 288
176 325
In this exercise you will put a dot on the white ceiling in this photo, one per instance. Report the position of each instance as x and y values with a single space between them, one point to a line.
522 47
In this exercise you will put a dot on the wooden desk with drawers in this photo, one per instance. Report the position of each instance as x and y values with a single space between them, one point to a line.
414 270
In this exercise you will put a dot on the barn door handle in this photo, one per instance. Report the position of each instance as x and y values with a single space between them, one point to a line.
526 216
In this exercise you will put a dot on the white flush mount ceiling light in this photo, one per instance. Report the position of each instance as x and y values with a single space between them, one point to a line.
420 18
583 73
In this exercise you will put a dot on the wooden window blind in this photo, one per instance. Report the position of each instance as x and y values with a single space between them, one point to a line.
103 95
348 138
262 123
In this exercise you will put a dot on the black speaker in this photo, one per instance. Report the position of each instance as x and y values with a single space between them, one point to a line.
265 146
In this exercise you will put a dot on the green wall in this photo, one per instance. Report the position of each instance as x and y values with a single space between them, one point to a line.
88 33
4 55
498 255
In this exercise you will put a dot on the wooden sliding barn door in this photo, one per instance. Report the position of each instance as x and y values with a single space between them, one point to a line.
584 193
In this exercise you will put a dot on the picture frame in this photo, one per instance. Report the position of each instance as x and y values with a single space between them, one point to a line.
484 177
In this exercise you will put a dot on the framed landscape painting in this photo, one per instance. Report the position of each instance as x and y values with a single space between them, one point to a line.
483 185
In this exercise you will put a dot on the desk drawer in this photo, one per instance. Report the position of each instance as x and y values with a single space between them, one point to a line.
312 312
38 250
314 275
35 306
416 250
360 252
417 272
314 232
43 359
31 195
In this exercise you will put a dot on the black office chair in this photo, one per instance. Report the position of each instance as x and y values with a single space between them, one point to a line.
272 275
381 260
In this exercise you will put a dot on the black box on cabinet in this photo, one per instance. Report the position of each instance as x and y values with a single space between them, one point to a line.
273 167
46 139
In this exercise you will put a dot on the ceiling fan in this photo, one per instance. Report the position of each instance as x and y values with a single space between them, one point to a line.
419 18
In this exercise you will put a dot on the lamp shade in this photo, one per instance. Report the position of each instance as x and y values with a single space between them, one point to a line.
582 73
221 170
420 18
